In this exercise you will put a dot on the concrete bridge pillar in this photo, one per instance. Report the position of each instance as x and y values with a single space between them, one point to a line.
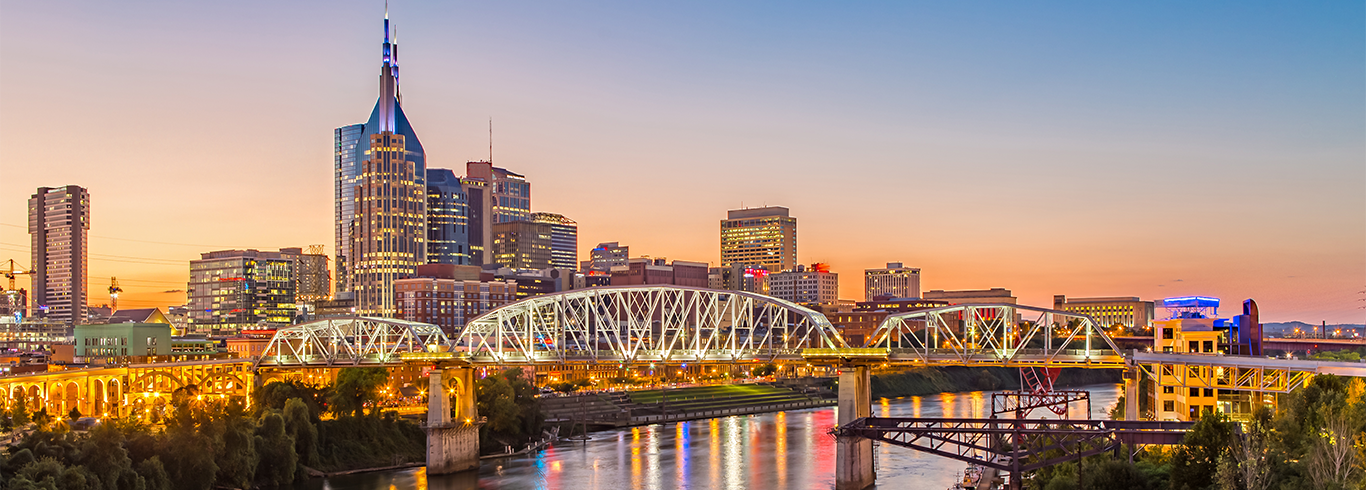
854 455
1131 378
452 445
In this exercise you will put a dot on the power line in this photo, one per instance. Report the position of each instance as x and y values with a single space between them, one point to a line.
140 241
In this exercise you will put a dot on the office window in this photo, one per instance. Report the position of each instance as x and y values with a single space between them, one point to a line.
1209 391
1168 389
1194 392
1168 406
1194 346
1209 346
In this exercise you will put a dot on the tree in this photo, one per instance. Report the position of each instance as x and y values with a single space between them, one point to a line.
74 414
765 370
235 448
299 426
1250 459
1196 461
355 387
278 460
1332 457
19 414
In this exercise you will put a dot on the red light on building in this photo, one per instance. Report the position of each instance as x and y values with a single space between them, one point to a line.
820 267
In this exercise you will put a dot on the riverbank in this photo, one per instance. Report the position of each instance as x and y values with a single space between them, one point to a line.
633 408
931 380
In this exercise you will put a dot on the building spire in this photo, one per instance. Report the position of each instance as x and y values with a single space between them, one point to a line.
388 80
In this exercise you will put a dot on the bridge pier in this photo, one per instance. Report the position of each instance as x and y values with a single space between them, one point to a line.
452 445
1131 378
854 455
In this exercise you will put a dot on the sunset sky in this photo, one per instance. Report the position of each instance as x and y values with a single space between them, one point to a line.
1148 149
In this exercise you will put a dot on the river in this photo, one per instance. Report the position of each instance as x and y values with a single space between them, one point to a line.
779 450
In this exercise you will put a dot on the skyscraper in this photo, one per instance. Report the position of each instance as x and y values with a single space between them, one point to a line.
58 221
347 171
604 256
448 237
495 195
564 239
764 236
388 231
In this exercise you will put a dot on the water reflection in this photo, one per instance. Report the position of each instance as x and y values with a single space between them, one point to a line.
777 450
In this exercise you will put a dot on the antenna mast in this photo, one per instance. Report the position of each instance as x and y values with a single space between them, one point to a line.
490 140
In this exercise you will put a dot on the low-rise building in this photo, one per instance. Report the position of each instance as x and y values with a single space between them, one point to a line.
120 342
807 285
973 296
646 270
449 302
1118 315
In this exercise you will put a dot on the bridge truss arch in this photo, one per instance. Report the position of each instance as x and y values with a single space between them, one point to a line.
1007 334
648 323
350 341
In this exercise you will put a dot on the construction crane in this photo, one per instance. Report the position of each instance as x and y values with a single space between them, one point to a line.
14 299
114 291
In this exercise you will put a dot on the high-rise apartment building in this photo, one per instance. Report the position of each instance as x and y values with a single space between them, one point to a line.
448 237
564 239
896 281
812 285
58 223
764 236
523 245
386 234
605 256
231 290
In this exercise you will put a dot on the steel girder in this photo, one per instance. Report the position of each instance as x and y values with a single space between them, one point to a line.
352 341
1010 444
1022 403
1242 373
1002 334
649 323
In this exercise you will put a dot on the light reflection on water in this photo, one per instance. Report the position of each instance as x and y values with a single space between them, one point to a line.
776 450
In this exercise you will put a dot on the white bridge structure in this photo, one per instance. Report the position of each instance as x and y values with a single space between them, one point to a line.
353 341
995 334
650 323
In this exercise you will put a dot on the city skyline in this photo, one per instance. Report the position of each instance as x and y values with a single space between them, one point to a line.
1215 182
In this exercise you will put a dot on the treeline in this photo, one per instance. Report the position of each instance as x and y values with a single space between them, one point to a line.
931 380
1316 440
208 443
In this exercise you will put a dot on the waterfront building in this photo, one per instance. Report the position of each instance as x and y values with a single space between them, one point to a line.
646 270
386 233
58 225
522 245
564 239
764 236
604 256
232 290
1119 315
809 285
894 281
972 296
448 236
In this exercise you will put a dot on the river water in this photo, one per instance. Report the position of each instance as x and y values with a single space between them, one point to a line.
779 450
